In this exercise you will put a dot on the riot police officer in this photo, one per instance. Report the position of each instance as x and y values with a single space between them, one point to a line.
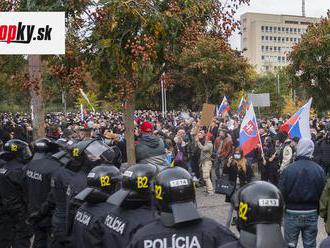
260 210
5 234
85 155
16 153
131 210
180 224
59 184
38 173
102 181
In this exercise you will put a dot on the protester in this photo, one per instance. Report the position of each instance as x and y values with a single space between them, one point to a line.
301 184
205 160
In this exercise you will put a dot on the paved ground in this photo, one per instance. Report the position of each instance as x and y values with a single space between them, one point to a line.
215 208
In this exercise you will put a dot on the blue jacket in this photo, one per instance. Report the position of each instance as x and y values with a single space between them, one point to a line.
301 184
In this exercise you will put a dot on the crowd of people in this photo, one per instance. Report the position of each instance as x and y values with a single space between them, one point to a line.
73 188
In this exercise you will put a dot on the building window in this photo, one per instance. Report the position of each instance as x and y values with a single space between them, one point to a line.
266 48
287 39
298 39
275 38
267 67
283 59
279 39
295 30
279 58
262 48
283 29
279 29
271 48
287 30
266 28
262 28
299 30
283 39
291 39
262 57
262 37
266 37
291 30
275 29
270 37
295 40
270 29
275 49
279 49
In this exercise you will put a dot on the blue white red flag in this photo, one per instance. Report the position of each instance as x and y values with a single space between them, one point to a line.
241 105
224 106
298 125
249 135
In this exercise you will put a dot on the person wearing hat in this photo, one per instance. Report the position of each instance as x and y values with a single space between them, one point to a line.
150 148
301 184
129 208
259 208
102 182
179 223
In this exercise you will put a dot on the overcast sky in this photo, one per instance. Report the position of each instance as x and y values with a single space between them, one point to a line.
314 8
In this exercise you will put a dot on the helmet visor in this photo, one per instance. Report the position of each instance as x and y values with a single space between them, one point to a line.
95 149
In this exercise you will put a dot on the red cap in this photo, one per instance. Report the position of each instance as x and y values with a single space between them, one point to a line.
146 127
209 136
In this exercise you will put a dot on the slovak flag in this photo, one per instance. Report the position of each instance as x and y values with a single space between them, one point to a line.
241 105
298 125
224 106
248 136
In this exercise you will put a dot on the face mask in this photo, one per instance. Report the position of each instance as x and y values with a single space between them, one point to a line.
237 156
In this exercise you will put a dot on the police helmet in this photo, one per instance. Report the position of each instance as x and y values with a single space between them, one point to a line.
136 184
102 181
45 145
91 152
19 149
260 212
174 192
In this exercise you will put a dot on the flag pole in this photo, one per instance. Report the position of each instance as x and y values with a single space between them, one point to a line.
262 150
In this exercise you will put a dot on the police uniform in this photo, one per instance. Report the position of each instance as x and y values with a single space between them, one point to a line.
102 181
5 220
38 174
179 223
199 233
117 227
132 211
260 210
59 184
12 192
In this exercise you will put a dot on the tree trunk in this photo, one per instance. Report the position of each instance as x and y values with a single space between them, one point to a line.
38 120
129 107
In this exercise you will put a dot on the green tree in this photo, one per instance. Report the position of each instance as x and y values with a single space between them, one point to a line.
310 64
213 69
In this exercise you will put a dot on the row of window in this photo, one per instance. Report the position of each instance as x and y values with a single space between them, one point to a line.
287 30
280 59
280 39
275 49
267 67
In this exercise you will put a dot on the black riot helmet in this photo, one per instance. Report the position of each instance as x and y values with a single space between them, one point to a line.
102 181
174 193
18 149
136 185
89 153
260 212
45 145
